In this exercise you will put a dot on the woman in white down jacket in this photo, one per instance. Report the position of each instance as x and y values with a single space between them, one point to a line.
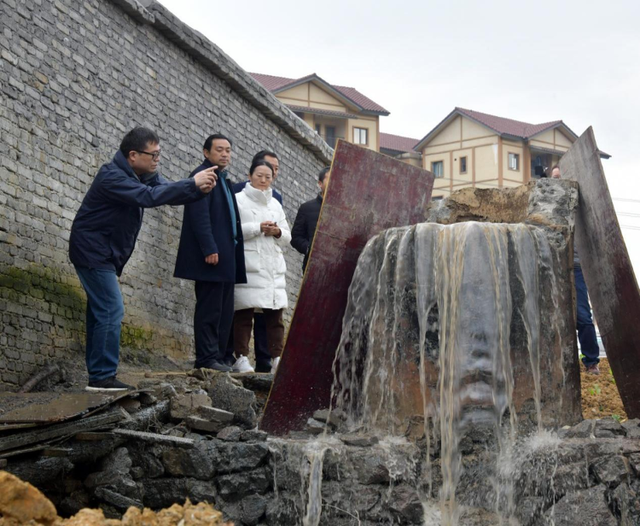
266 232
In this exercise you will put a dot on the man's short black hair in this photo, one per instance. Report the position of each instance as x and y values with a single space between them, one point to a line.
215 137
137 139
323 173
262 154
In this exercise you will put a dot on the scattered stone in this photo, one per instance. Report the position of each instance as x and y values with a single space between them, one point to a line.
328 417
249 510
584 429
147 399
130 405
315 427
117 500
359 440
239 456
587 508
184 406
626 505
254 435
229 396
611 470
632 428
207 426
237 485
571 477
634 462
406 502
370 468
608 428
230 434
197 462
214 414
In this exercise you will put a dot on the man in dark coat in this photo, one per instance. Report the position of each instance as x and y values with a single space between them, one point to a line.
260 344
304 227
211 253
103 236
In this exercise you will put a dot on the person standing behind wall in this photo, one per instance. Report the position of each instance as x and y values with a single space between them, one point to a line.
260 344
103 236
211 253
304 227
586 331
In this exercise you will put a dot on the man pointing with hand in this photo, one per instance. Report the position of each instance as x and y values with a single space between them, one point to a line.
211 253
103 236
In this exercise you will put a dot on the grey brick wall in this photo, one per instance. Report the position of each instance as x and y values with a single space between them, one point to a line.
75 75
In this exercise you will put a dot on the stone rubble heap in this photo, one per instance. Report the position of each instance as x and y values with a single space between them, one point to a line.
195 437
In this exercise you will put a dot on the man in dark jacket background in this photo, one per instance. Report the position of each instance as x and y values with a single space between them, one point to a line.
304 227
211 253
103 236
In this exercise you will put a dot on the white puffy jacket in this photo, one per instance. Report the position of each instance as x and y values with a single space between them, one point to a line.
266 287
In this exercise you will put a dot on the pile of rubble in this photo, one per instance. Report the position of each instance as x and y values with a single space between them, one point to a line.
193 436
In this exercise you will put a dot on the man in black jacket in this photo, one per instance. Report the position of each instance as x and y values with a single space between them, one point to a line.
103 236
211 253
304 227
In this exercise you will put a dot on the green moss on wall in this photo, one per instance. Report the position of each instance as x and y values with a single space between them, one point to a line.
43 283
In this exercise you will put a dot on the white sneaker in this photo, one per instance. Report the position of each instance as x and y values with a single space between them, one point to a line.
274 364
242 365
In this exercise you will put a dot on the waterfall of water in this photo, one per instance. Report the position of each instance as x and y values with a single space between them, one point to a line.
428 331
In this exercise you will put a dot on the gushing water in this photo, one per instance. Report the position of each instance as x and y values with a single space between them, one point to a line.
428 331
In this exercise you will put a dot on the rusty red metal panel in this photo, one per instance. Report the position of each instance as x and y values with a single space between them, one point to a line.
368 192
607 269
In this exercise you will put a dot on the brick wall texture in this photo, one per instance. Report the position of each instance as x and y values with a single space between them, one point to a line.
75 76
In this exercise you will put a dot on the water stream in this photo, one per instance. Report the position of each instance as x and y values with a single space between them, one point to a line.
428 331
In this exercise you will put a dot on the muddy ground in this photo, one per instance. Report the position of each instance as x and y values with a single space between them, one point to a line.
600 397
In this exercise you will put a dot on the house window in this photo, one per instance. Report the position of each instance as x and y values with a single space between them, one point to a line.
360 136
463 165
437 168
514 161
318 129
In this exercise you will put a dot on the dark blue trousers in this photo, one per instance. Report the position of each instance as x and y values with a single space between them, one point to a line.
212 321
586 330
105 311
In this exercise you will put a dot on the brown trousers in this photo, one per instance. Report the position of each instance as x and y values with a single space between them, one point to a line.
243 324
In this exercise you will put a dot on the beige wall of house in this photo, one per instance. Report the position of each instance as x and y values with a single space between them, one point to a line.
372 125
313 96
489 158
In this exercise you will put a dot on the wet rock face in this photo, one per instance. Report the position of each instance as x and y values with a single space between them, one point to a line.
471 320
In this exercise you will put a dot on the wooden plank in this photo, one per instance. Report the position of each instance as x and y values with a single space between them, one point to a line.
93 436
58 430
368 192
156 438
607 268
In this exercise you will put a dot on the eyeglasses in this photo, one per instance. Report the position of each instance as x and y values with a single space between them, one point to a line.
154 155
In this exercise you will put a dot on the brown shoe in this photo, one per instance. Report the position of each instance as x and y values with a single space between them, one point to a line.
593 369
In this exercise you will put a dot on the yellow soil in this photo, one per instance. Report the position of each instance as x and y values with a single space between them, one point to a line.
600 397
23 504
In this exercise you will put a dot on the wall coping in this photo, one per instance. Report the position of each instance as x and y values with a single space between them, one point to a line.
199 47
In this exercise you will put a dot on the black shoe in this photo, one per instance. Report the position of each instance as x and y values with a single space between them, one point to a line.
216 366
229 360
109 384
263 367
